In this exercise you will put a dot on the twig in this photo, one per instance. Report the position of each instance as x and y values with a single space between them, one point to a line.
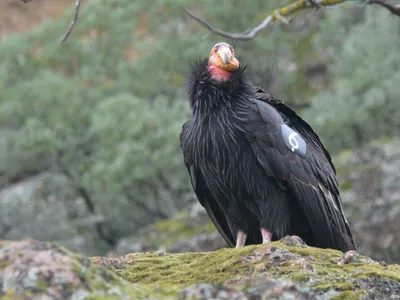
279 15
393 8
316 4
247 35
74 20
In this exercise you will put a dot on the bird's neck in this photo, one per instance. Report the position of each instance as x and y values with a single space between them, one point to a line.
208 92
219 74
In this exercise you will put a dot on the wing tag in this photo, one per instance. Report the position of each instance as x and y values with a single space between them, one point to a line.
293 140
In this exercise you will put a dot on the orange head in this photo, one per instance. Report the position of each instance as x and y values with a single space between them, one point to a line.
223 57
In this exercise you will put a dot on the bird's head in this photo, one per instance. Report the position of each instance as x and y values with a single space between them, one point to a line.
222 61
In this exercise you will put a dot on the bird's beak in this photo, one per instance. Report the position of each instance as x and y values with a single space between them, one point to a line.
223 58
226 55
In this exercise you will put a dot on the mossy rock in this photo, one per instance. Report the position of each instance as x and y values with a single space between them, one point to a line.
288 268
31 269
316 272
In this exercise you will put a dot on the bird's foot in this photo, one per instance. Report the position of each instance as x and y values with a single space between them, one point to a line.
240 239
266 235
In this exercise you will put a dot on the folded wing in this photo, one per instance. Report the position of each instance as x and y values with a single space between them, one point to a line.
310 178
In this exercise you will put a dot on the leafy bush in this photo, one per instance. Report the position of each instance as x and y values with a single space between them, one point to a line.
362 102
136 171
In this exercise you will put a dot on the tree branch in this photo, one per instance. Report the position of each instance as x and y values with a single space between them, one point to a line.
280 13
393 8
73 22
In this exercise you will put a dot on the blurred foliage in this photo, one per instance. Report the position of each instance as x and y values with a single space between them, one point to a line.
137 163
47 207
106 108
362 102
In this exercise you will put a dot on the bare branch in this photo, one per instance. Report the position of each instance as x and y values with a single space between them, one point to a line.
316 4
74 20
281 13
247 35
393 8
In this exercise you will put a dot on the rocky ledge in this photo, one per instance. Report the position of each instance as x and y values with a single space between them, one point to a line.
287 269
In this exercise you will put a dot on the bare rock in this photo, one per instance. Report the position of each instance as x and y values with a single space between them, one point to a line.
369 180
47 206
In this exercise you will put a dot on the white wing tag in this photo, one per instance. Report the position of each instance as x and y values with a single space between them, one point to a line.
293 140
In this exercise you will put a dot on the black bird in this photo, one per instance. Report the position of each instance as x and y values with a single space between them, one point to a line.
259 169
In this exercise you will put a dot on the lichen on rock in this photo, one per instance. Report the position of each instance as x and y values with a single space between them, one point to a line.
320 272
31 269
287 269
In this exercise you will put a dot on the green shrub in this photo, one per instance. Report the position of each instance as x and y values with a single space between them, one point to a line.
362 102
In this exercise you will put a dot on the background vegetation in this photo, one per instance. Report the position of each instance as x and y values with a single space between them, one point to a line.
93 124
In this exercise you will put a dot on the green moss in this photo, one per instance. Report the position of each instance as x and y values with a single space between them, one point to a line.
41 284
77 268
186 268
346 185
10 295
301 276
349 295
172 272
146 275
4 263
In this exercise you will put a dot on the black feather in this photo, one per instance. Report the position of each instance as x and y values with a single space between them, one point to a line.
245 176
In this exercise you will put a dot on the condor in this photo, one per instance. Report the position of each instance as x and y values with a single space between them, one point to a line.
258 169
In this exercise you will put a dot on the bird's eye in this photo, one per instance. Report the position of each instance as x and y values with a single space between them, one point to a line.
216 49
231 48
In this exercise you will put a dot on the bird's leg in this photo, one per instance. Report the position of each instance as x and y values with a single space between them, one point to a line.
266 235
240 239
